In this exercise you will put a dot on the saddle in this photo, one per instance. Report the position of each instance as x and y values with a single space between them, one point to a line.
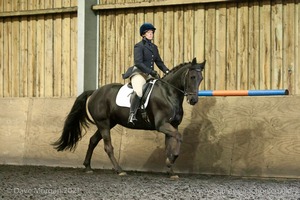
124 94
123 98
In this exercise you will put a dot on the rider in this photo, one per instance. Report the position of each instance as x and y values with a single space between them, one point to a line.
145 55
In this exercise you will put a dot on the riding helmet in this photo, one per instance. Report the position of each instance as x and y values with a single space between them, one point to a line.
146 27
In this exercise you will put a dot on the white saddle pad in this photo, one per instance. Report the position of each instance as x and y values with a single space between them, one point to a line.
123 96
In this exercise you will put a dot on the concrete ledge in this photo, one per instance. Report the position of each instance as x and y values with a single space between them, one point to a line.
241 136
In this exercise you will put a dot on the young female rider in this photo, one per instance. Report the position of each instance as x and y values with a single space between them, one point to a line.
145 55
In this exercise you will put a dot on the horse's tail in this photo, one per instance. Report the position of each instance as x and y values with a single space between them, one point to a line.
75 121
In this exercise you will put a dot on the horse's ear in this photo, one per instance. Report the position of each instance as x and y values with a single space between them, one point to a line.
194 61
203 65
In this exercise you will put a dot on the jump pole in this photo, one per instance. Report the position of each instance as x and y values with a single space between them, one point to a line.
242 92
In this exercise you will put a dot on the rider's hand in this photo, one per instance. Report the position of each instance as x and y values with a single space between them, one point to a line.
154 74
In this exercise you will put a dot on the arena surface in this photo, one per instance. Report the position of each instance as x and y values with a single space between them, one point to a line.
39 182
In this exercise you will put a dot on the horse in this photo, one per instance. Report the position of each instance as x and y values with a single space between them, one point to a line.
164 111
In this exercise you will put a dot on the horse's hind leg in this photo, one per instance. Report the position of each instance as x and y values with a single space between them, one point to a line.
94 140
109 149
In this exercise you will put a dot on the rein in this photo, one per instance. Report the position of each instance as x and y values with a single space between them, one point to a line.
183 92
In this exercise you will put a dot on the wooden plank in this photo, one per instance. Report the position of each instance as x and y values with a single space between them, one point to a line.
57 86
147 4
297 48
168 48
73 3
23 5
15 5
31 53
265 45
231 65
188 39
102 49
7 5
40 56
14 54
2 25
220 47
110 51
199 33
149 15
178 36
289 47
74 52
23 51
159 33
210 47
139 20
65 66
120 46
242 58
39 12
7 51
129 27
253 58
277 42
15 58
48 50
129 42
6 58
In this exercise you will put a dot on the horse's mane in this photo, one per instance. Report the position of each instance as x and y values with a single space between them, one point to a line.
176 68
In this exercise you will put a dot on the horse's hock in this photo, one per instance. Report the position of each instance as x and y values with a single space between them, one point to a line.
243 136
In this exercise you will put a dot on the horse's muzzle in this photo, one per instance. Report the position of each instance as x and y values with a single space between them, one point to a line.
192 99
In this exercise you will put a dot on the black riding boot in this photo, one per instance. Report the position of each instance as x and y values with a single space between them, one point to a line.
135 103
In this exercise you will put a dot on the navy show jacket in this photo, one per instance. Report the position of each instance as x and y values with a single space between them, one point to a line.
145 55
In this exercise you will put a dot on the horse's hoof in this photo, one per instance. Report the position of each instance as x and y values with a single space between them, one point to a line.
174 177
122 174
88 171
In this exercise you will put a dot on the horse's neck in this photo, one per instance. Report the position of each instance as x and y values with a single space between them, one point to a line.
176 80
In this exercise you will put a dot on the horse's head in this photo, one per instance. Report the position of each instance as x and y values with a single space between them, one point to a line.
192 80
186 79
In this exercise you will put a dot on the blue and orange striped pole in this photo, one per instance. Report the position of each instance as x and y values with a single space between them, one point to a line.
242 92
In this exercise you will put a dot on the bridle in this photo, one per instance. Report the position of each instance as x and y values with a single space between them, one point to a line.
184 92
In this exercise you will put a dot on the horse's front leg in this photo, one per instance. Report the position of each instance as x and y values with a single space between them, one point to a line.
172 142
172 151
109 149
93 143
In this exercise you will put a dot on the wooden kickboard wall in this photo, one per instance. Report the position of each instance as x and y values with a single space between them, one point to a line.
239 136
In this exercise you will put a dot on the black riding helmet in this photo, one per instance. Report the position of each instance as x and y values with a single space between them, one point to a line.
146 27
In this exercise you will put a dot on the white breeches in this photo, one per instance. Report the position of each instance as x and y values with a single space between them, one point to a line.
137 82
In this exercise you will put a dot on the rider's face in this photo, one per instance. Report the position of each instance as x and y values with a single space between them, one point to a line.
149 35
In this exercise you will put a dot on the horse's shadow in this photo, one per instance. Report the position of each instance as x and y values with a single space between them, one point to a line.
207 149
200 150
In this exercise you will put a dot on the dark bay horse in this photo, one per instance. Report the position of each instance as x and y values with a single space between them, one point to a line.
164 111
